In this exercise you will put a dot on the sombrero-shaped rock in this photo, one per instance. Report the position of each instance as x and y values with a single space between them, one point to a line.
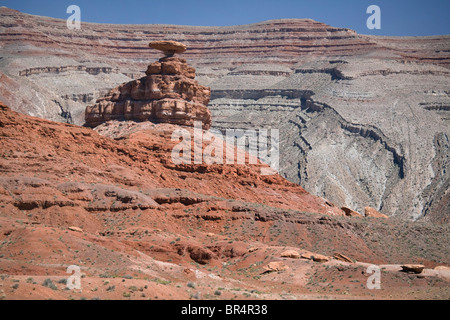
168 47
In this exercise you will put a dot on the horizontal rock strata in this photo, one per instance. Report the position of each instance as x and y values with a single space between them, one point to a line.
168 94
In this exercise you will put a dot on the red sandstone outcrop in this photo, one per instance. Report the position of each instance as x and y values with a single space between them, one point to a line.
274 266
320 258
290 254
350 212
340 256
335 70
168 47
76 229
287 39
314 256
413 268
138 212
169 93
371 212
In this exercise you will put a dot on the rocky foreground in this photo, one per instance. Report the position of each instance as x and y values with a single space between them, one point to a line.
112 202
169 94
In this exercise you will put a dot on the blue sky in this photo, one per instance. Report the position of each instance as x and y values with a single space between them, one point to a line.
398 17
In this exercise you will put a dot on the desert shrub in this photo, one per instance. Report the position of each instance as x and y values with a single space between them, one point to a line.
49 284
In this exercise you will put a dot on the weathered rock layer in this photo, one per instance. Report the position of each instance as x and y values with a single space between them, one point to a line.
168 94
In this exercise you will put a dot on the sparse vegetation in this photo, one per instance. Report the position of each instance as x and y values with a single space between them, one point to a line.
49 284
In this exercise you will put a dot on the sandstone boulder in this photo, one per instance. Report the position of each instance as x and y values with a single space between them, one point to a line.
168 47
442 268
307 255
341 257
371 212
274 266
320 258
350 212
200 255
3 106
290 254
76 229
414 268
197 253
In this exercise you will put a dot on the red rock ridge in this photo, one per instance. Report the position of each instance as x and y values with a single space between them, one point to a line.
141 156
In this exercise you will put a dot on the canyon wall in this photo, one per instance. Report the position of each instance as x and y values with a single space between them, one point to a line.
364 120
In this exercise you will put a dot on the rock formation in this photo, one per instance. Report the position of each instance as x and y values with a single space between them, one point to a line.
290 254
413 268
274 266
363 120
371 212
110 201
168 47
341 257
350 213
320 258
167 94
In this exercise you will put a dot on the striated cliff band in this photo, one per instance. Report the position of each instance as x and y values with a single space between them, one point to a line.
363 120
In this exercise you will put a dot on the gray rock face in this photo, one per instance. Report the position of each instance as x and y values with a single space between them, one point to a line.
359 131
364 120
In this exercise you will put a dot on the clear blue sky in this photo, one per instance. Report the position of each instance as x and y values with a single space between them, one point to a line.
398 17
